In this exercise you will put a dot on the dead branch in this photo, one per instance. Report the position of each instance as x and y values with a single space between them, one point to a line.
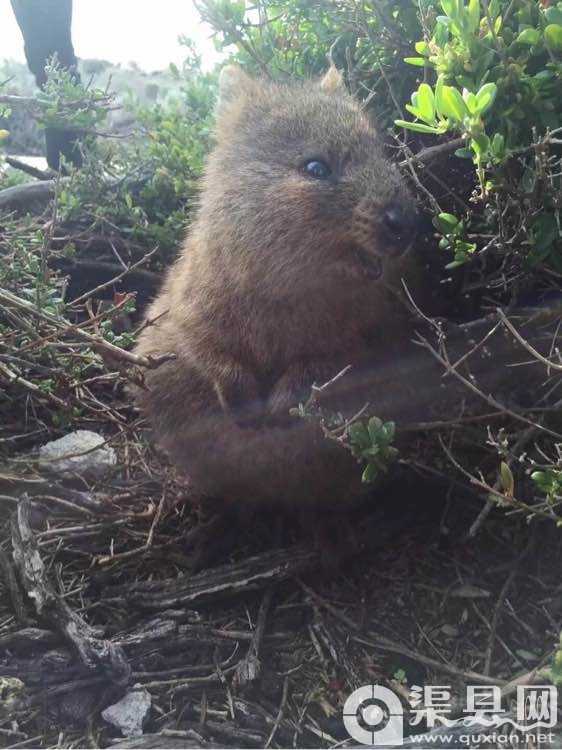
431 153
94 651
247 575
97 342
39 174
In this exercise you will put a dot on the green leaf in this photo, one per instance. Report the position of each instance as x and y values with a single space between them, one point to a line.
417 127
439 96
457 28
470 101
498 145
426 103
418 61
452 104
507 480
369 473
486 97
465 248
374 426
446 223
553 36
413 110
529 36
494 8
540 477
552 15
389 429
473 15
359 435
450 8
464 153
422 48
441 33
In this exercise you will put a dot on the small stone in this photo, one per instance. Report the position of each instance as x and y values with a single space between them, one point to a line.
450 631
13 696
129 713
80 452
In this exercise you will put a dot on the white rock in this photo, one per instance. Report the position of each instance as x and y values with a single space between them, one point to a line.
129 713
80 452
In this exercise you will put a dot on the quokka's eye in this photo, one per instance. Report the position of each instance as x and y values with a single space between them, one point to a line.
317 169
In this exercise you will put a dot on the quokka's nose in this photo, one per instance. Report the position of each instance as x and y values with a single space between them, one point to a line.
401 221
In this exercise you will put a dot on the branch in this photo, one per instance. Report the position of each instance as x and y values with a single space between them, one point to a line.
94 651
12 101
39 174
433 152
96 342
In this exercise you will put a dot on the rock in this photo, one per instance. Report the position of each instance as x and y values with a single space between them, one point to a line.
80 452
14 697
129 713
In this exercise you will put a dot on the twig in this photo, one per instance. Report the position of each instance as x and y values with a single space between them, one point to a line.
115 279
15 378
249 668
385 644
433 152
491 502
497 611
96 342
106 559
490 400
496 493
280 713
525 344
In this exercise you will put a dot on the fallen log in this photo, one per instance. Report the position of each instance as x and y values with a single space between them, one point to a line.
27 196
33 195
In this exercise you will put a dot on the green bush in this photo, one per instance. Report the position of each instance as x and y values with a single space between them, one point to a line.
136 189
144 183
488 72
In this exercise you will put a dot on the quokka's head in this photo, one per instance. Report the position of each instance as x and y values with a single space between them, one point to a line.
299 178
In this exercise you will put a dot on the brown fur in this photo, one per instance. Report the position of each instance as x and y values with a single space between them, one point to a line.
269 294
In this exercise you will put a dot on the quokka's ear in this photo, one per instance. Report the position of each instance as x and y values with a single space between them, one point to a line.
234 85
332 81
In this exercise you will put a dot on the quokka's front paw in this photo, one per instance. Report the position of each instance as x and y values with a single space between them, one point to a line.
239 395
294 387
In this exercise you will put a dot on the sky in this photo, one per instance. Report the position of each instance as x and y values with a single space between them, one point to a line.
123 30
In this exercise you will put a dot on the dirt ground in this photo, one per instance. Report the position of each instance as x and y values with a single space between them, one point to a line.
247 636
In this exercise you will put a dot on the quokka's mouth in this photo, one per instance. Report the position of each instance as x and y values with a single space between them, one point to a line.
370 263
